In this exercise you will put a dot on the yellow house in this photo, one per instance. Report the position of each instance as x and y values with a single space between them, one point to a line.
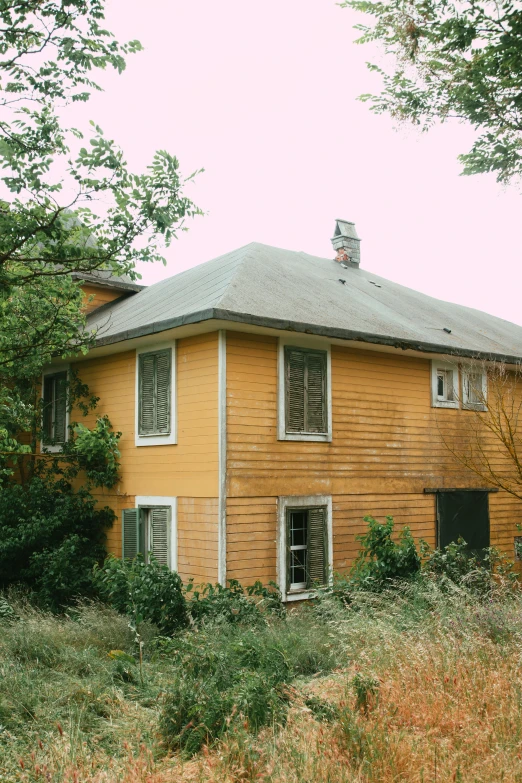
270 399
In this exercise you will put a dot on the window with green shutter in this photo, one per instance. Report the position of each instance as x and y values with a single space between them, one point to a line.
307 547
55 408
146 531
306 409
154 391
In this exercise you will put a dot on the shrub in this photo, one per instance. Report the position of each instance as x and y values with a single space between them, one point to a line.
234 604
382 559
50 539
457 564
144 591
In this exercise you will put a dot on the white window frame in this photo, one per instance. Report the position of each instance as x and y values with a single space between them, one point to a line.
305 344
300 501
57 447
146 502
157 439
447 367
466 404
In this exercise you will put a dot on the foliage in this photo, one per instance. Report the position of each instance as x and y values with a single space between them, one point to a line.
460 59
234 603
381 558
144 592
235 677
50 538
456 563
70 205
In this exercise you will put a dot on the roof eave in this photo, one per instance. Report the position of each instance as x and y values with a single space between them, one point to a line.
305 328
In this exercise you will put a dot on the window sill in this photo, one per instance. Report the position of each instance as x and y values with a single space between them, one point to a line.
314 437
445 404
477 406
156 440
57 448
299 595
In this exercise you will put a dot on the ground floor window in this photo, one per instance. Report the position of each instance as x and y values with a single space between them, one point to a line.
304 558
147 530
463 514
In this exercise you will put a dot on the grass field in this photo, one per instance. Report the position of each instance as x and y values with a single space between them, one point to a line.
419 684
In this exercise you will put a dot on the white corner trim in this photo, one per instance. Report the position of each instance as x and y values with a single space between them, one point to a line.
58 446
317 344
299 501
222 457
152 501
168 438
448 367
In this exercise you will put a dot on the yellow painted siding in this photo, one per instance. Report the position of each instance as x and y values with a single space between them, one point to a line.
386 449
198 539
100 296
187 470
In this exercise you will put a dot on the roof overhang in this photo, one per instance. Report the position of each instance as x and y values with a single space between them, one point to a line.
343 335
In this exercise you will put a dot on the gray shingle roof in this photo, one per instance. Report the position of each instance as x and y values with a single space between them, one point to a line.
284 289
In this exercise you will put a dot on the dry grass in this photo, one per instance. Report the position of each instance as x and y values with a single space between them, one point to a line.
447 708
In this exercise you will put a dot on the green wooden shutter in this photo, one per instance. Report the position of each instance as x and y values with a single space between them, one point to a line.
159 534
60 407
163 391
131 533
317 547
154 393
315 380
48 386
294 390
146 394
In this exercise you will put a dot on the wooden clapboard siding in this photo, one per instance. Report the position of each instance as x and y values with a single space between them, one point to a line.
96 297
188 469
198 539
387 447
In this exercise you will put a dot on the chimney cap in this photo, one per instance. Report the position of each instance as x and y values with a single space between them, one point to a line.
345 228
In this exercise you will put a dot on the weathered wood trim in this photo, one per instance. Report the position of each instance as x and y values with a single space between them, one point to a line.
222 456
430 491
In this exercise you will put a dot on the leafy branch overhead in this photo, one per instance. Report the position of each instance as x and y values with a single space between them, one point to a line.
68 203
460 60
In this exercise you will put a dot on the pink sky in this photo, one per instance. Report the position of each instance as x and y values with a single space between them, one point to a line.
263 96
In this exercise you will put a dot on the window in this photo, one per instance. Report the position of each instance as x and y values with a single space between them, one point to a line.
444 385
463 514
155 395
55 409
304 394
149 530
474 388
305 544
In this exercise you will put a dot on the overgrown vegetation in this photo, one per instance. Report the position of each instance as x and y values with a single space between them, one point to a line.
370 682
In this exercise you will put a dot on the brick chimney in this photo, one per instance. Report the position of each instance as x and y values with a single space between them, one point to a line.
347 244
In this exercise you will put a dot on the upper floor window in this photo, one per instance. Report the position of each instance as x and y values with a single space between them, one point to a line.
444 385
474 389
155 392
304 394
54 409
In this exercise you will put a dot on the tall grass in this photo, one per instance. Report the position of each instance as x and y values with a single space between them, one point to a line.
417 684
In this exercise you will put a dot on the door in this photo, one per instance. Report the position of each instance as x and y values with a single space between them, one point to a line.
463 514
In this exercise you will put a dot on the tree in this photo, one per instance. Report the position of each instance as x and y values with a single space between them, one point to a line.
66 205
488 438
454 59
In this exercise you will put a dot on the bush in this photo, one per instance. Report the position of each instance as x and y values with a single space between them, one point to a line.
50 539
144 591
234 604
382 559
457 564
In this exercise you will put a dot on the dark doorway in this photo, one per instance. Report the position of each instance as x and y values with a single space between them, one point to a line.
463 514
